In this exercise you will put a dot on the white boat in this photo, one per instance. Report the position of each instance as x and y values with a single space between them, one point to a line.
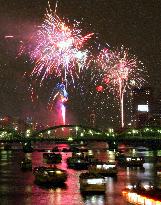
130 161
92 183
104 168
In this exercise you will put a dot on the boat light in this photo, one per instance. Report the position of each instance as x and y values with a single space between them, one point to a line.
95 181
147 187
90 152
59 172
129 186
99 166
51 171
105 166
45 172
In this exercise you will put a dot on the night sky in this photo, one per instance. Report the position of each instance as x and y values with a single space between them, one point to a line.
134 23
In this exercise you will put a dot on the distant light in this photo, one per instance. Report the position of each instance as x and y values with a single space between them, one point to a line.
70 139
16 128
82 134
9 36
143 108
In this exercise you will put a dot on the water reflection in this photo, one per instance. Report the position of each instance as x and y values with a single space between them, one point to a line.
94 199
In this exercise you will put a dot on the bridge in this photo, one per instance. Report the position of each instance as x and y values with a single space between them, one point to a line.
59 132
80 128
82 132
9 134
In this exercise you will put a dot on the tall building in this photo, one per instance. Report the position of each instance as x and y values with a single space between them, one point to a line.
142 106
155 119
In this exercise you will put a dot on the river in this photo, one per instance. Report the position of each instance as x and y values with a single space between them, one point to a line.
18 187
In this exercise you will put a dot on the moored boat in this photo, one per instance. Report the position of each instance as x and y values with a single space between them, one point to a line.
77 163
103 168
83 153
130 161
49 175
92 183
51 157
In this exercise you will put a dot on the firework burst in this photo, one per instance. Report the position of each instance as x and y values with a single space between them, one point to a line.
57 49
121 71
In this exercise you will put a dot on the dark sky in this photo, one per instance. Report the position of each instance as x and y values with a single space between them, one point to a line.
133 23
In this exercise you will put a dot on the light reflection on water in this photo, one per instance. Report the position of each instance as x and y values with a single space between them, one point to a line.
18 188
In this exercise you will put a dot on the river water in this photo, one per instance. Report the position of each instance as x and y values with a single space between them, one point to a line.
18 187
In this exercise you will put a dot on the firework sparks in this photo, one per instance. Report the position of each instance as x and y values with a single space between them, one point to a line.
60 92
121 71
57 49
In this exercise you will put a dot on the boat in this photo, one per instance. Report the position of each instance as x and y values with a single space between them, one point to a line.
51 157
103 168
92 183
26 164
142 194
83 153
77 163
49 175
129 161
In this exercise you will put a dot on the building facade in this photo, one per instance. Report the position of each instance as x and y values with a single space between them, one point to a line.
142 106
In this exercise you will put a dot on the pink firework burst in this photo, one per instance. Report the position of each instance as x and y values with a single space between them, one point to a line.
57 48
121 71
